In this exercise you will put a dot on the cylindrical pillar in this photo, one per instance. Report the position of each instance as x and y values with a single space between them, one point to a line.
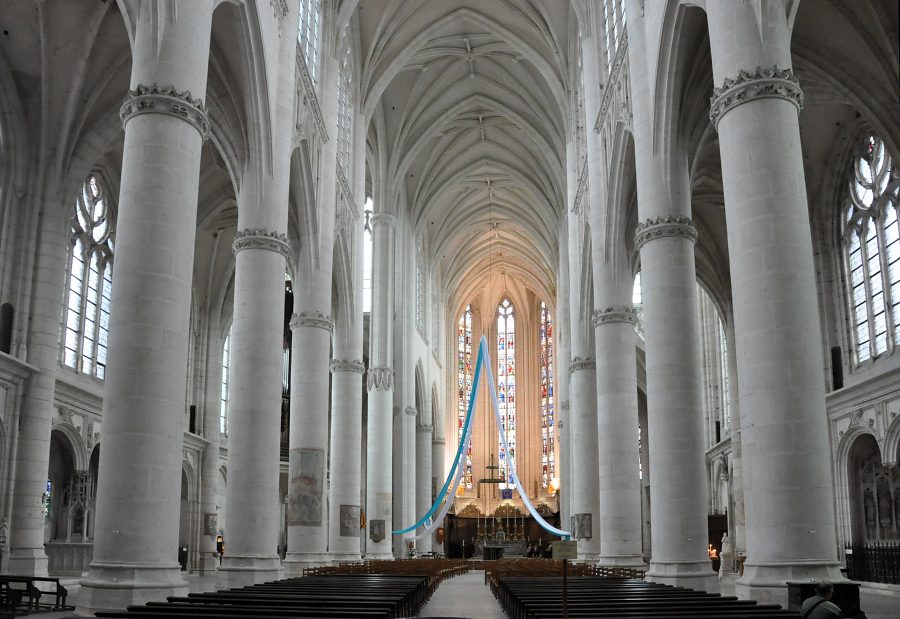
380 384
439 474
424 433
346 460
585 483
136 532
789 492
26 541
208 561
617 419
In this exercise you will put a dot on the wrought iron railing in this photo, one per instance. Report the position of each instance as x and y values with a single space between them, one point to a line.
874 562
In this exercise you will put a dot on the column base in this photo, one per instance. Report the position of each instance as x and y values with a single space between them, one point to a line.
246 571
208 563
295 562
697 575
27 561
632 561
379 556
344 557
113 586
588 557
766 582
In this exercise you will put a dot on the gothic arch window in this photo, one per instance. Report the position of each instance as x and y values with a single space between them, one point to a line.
308 35
614 28
345 109
226 363
89 277
548 416
464 375
871 244
506 384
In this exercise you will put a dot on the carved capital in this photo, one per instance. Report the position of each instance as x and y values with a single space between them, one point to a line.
349 365
425 428
582 363
259 238
761 83
385 219
411 411
617 313
156 99
380 378
316 320
660 227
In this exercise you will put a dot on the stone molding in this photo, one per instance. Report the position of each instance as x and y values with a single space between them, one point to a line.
616 313
760 83
382 218
582 363
156 99
260 238
439 440
606 99
661 227
380 378
411 411
311 99
425 428
280 7
347 365
316 320
564 405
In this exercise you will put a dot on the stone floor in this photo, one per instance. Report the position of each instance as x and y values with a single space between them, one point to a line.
467 597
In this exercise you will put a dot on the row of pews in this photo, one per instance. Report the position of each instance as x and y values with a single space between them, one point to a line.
366 590
537 597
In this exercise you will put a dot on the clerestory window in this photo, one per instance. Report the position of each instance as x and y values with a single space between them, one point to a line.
871 244
308 35
85 327
464 375
506 386
548 411
226 364
345 110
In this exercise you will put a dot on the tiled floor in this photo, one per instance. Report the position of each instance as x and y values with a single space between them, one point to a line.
465 596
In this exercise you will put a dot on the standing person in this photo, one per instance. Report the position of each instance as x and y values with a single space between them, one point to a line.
818 606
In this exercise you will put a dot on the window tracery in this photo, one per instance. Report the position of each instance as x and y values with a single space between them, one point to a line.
420 289
548 418
506 385
226 363
308 35
89 279
464 384
871 243
345 107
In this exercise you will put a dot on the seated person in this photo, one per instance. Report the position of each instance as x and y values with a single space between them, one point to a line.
818 606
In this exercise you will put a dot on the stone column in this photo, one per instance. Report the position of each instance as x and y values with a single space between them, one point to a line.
136 532
209 498
424 432
439 474
736 521
380 384
32 456
346 459
408 475
788 487
585 483
619 480
665 238
312 326
307 517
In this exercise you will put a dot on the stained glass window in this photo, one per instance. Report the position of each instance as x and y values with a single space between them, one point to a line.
548 420
308 35
464 373
506 385
871 240
85 328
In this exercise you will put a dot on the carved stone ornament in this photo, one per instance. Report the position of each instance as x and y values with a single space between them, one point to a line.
660 227
280 7
382 218
582 363
564 405
317 320
438 440
380 378
768 83
425 428
350 365
259 238
619 313
156 99
411 411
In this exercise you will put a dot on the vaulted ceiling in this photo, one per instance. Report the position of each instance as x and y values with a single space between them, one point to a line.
468 107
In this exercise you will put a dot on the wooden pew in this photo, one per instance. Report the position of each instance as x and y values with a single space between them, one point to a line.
15 589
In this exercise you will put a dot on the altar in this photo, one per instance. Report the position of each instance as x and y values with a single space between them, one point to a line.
498 549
